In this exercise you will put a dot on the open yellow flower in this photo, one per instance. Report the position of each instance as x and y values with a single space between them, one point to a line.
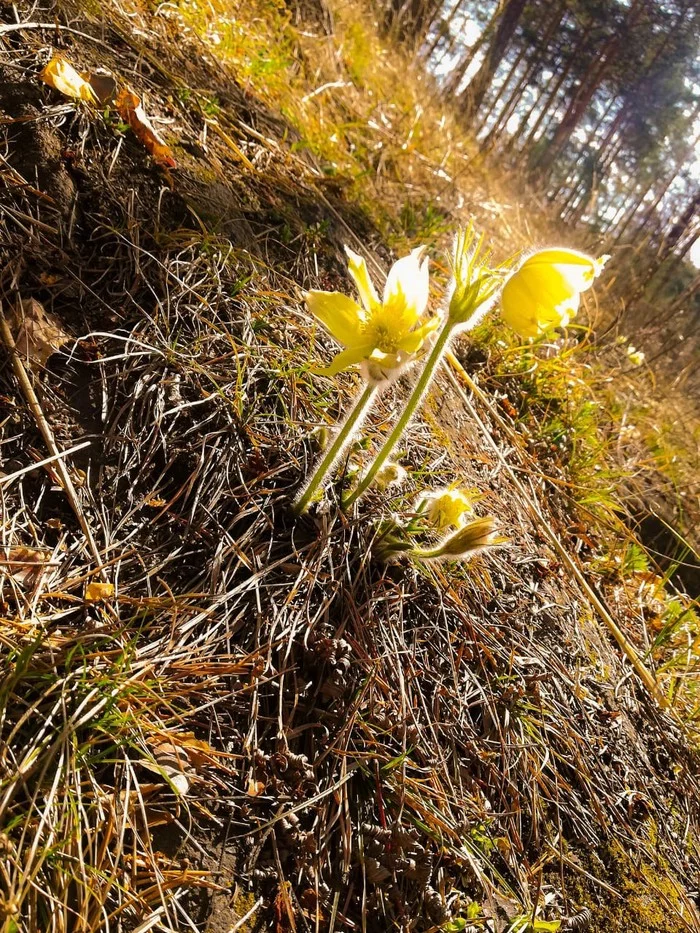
544 292
383 335
447 508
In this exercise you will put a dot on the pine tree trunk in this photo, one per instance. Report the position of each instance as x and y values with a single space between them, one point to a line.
451 86
472 97
444 32
494 103
587 88
551 98
409 20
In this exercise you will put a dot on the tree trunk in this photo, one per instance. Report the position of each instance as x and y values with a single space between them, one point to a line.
675 234
552 96
443 31
517 94
451 86
492 104
472 97
587 88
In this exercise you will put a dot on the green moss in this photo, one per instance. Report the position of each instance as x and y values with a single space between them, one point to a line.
650 901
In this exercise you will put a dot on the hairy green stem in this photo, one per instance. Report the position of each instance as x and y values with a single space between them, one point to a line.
342 438
408 412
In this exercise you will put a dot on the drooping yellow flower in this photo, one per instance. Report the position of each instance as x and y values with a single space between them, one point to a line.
447 508
471 539
383 335
544 292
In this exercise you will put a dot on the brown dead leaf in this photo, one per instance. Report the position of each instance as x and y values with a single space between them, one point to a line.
37 333
103 85
98 592
23 564
172 762
61 75
130 110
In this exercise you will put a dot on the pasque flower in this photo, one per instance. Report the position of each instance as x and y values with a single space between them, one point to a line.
636 357
383 335
446 508
544 291
470 539
471 293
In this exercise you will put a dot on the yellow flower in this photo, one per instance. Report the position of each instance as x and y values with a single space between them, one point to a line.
447 508
544 292
383 335
471 539
391 474
636 357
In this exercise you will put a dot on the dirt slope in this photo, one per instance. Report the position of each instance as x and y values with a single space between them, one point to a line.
259 720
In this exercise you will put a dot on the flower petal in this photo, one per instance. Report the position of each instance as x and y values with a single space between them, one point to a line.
357 268
413 342
574 267
407 286
567 309
345 359
340 315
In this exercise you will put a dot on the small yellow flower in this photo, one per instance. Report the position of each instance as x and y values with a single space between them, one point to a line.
447 508
544 292
391 474
636 357
383 335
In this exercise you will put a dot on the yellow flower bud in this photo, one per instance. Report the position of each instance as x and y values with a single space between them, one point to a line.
474 284
544 292
472 538
391 474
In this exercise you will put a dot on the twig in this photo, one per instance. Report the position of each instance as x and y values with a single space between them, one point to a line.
239 923
47 434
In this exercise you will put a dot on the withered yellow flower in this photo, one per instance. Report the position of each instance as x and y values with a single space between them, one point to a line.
544 292
384 335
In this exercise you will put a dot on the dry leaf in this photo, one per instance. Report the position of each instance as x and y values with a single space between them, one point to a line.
103 85
255 788
37 333
130 110
61 75
98 592
173 762
24 564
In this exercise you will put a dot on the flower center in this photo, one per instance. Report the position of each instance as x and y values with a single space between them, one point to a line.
381 336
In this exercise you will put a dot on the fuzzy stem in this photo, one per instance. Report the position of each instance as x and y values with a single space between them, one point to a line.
425 553
342 439
408 412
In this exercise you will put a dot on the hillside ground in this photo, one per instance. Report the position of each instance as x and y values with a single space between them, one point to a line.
213 716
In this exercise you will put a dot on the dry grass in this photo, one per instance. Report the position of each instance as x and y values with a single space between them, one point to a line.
259 704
